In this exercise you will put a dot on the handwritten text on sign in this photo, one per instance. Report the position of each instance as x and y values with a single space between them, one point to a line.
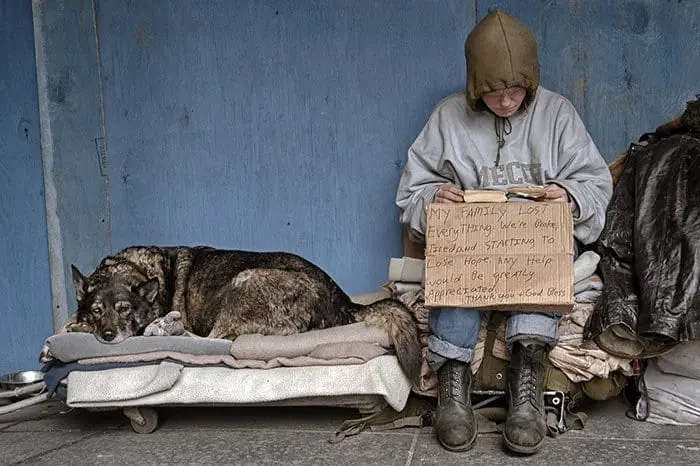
499 256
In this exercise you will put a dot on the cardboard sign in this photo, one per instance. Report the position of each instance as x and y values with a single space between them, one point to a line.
504 256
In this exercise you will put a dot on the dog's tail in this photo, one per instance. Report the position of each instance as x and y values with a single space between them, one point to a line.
400 324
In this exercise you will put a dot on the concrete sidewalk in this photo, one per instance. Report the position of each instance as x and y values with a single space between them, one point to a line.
52 434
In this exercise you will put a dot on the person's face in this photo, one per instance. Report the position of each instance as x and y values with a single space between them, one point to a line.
506 102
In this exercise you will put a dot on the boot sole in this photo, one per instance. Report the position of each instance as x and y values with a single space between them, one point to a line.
460 448
514 447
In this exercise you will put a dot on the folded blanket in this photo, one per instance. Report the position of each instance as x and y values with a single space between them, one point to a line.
406 269
57 371
170 383
349 344
266 347
69 347
591 283
334 354
369 298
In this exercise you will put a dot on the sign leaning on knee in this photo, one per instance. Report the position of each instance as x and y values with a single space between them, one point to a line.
506 256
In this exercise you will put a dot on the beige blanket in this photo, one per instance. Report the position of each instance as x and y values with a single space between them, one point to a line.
348 344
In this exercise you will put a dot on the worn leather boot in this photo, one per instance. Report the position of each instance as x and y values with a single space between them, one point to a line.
454 417
525 422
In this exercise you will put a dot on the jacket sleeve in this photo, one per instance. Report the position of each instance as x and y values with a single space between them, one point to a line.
619 302
421 178
583 173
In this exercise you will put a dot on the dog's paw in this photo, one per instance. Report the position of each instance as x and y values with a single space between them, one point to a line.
154 329
80 327
169 325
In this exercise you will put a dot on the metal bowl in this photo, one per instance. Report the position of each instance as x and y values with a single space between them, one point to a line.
20 379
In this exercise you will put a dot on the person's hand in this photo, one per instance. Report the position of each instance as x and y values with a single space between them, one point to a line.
555 193
449 194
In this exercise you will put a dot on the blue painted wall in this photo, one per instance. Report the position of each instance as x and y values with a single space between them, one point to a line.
277 125
25 299
272 125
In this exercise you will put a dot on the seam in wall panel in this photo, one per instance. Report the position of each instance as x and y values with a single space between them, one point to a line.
59 298
103 125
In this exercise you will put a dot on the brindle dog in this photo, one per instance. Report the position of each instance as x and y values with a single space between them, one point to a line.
224 293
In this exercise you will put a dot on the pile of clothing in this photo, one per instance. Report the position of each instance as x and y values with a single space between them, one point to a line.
349 365
649 309
581 362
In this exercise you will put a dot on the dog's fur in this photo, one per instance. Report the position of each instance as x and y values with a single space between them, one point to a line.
223 294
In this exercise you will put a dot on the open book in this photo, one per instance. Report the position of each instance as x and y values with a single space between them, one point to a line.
484 195
487 195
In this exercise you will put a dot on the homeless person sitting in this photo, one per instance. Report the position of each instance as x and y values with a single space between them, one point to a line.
504 131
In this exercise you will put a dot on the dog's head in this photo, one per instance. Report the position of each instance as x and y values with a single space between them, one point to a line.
113 309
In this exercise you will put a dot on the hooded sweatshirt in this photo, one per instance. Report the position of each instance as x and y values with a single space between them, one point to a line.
545 142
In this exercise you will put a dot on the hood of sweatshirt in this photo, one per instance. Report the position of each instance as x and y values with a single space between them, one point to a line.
501 52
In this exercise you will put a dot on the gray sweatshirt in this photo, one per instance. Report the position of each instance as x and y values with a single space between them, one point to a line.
548 143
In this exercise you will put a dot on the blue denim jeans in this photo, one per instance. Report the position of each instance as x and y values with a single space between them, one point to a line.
456 330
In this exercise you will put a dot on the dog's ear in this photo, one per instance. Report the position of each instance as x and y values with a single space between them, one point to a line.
148 290
79 282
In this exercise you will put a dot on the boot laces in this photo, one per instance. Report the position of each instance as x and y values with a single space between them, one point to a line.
456 381
528 384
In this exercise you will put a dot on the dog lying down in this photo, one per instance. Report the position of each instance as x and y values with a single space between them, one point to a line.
224 293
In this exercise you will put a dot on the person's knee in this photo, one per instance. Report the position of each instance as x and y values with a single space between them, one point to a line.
541 327
457 326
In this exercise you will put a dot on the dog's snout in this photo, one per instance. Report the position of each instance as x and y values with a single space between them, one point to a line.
108 335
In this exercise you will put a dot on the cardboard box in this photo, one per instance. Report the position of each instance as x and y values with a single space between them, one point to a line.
506 256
